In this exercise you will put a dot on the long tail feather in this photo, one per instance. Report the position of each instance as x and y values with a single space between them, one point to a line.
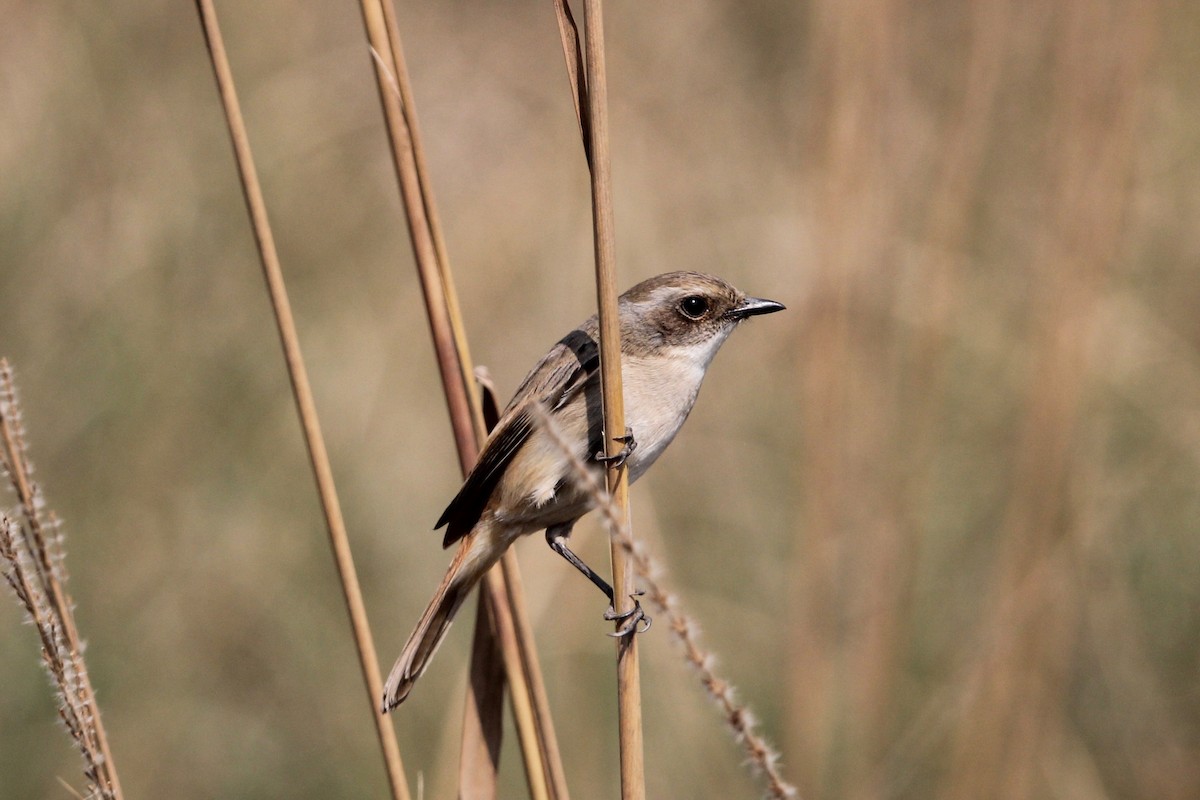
465 571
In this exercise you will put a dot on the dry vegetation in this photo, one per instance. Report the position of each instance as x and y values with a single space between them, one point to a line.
940 519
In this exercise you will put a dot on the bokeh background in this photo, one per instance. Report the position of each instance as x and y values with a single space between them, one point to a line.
940 519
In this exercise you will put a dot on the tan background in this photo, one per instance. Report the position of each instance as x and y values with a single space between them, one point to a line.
939 519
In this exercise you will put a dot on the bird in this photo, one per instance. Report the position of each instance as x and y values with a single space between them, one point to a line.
671 327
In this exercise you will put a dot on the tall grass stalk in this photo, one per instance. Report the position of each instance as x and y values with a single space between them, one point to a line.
629 686
305 405
502 588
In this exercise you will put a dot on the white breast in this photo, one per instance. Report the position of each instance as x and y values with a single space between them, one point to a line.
660 391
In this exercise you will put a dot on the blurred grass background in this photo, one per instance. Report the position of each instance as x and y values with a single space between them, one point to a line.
940 518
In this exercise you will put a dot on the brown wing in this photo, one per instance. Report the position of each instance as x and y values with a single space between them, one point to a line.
555 379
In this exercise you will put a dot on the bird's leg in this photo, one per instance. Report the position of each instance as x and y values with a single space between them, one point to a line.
617 460
556 537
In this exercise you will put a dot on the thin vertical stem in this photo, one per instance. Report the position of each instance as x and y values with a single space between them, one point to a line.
502 586
302 391
629 694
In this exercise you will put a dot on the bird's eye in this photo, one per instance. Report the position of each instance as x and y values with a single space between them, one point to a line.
693 306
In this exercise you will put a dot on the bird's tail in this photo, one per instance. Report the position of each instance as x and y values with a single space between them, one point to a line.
471 561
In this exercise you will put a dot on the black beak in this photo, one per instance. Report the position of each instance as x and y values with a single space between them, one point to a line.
752 307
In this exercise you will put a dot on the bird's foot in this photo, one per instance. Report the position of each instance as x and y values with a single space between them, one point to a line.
635 620
618 459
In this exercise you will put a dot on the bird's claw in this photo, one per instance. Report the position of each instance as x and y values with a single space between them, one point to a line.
617 460
633 619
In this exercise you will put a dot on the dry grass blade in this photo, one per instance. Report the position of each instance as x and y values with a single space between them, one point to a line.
576 72
502 587
31 549
484 716
305 405
738 718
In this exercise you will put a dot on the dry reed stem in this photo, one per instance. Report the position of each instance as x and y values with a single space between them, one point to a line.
36 571
502 586
629 689
740 721
305 405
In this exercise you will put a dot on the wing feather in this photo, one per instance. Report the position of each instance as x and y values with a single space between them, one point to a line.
553 382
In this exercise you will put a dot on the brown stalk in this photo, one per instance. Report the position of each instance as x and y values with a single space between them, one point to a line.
629 689
36 572
502 587
305 405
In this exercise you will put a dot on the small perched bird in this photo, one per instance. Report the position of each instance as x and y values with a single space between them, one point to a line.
671 327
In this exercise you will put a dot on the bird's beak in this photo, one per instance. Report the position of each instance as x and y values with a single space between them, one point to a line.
752 307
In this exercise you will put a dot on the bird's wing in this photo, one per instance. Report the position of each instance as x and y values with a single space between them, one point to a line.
553 382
